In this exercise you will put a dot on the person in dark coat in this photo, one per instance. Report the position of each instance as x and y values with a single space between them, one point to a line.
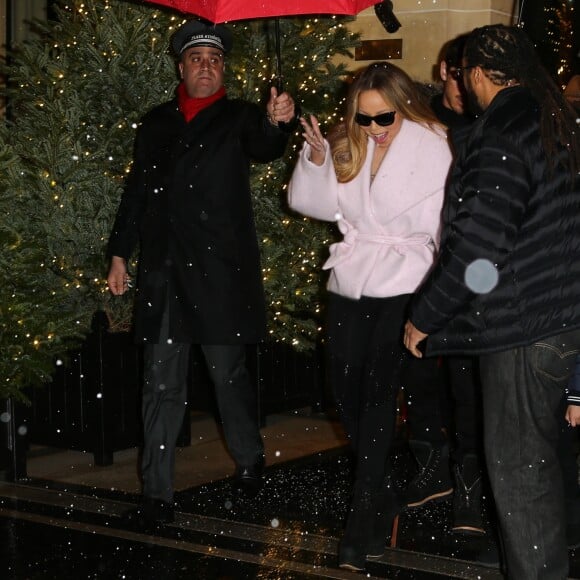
435 463
506 285
449 106
188 204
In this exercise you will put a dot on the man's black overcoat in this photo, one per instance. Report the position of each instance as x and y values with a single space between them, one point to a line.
188 204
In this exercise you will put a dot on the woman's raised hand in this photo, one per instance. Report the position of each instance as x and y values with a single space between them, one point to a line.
314 138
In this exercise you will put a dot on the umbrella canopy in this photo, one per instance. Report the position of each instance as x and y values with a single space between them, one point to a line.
218 11
229 10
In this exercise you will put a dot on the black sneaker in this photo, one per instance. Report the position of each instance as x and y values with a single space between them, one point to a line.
467 504
433 479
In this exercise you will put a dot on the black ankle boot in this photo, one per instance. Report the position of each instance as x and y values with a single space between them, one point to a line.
354 546
467 505
433 479
388 506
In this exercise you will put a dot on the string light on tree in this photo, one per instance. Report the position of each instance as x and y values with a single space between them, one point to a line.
63 165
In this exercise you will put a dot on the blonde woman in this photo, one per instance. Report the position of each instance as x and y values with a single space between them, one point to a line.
381 177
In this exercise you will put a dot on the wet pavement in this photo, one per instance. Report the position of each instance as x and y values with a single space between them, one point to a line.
289 531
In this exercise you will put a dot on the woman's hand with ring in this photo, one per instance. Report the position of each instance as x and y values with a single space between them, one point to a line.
313 136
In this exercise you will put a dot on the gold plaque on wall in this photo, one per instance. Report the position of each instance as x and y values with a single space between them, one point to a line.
379 49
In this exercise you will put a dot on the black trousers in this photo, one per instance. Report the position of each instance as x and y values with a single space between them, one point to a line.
367 363
165 402
459 401
466 416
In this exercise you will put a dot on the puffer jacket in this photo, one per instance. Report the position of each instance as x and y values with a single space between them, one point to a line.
506 206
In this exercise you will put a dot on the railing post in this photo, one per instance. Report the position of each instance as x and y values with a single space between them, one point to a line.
14 441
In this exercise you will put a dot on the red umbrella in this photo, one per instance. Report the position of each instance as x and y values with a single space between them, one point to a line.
230 10
217 11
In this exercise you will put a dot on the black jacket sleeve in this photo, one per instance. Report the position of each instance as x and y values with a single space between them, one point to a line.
487 199
125 232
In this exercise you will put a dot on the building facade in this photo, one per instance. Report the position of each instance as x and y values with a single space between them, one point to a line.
425 26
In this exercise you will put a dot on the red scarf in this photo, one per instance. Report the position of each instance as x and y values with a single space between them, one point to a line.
190 106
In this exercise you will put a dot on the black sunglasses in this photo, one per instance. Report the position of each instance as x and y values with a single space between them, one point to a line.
384 119
457 72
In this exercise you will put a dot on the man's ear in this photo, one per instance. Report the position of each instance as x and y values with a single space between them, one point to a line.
443 70
180 66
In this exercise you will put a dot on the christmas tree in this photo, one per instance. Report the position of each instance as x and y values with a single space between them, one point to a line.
75 97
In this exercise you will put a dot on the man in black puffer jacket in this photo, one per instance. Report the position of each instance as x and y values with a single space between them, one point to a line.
507 285
461 404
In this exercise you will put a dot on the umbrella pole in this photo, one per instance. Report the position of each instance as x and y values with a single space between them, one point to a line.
521 12
279 82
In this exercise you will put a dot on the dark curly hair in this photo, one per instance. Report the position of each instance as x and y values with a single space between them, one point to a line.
452 50
506 55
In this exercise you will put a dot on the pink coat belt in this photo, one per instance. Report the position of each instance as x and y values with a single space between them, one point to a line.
342 250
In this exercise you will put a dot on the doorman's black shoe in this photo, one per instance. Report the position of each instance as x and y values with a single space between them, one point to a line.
151 512
248 480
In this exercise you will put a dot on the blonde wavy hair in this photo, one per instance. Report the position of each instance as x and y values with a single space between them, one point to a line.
348 141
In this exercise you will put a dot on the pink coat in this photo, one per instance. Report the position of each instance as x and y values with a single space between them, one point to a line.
391 227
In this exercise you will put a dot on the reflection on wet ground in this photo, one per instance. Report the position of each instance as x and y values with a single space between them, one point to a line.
289 531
